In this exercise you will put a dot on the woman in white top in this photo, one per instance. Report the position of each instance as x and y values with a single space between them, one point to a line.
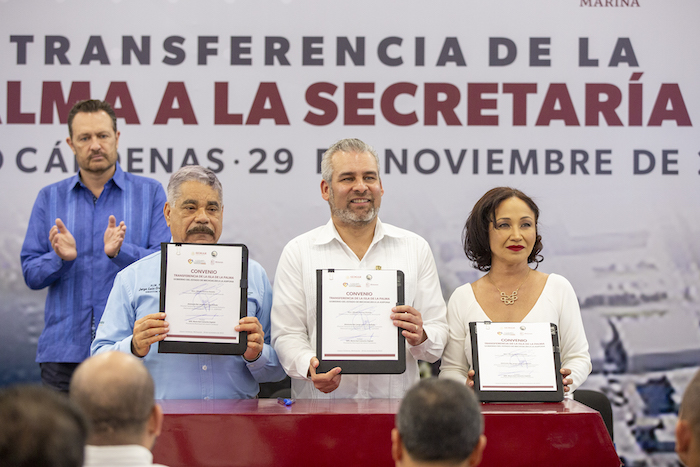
500 238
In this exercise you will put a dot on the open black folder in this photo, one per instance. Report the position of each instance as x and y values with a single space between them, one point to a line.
204 266
352 362
517 369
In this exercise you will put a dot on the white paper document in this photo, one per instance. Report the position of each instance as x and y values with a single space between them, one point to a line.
516 357
202 292
356 322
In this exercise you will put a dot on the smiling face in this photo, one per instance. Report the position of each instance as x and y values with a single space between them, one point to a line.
514 234
94 142
355 191
196 215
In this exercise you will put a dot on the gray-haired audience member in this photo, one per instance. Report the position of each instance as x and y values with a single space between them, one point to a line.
40 427
115 391
688 426
439 422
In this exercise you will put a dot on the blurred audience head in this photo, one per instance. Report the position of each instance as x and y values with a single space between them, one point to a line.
439 423
688 426
40 427
115 391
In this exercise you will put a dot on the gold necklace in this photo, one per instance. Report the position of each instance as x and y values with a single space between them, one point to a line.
510 299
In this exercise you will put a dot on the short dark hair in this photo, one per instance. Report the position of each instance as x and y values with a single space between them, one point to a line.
439 420
40 427
475 236
90 106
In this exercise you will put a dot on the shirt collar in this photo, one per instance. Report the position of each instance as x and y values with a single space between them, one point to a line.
328 233
75 182
119 178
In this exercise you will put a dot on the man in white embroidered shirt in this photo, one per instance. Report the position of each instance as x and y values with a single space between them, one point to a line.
354 238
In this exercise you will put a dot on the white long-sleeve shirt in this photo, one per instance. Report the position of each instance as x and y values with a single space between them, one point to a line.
294 305
557 304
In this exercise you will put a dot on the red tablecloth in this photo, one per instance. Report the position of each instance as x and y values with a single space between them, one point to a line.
261 432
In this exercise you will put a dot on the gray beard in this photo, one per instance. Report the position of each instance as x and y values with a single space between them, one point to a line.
348 216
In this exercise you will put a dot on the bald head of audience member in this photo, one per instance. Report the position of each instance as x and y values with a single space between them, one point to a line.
688 426
115 391
439 423
40 427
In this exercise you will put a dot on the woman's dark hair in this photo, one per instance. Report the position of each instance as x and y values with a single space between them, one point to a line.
475 236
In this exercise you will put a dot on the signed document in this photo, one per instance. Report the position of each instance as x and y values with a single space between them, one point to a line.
516 357
202 294
354 329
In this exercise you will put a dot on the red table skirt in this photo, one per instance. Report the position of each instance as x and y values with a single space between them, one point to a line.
261 432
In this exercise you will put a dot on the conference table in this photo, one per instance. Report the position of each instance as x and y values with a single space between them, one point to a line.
347 432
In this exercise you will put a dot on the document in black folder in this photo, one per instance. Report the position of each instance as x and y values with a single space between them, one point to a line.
516 362
204 293
353 326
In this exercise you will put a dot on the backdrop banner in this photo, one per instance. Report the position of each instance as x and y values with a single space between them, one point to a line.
589 106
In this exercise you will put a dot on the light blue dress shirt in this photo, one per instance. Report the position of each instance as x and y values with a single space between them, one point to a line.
136 293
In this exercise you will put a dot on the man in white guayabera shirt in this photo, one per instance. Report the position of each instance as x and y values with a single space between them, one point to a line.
355 238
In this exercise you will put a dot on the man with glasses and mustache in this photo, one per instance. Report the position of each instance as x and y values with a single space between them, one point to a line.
84 230
355 238
132 322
